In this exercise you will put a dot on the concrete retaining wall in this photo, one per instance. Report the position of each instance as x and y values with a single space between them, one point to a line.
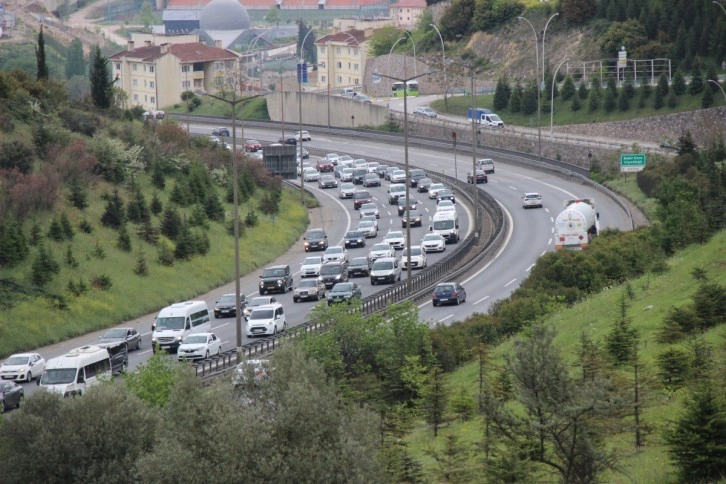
323 110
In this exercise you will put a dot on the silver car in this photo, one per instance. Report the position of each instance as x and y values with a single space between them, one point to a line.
346 190
369 209
310 267
379 251
368 228
308 289
335 253
531 200
396 239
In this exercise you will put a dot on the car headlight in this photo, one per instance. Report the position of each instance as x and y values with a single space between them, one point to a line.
262 283
153 340
178 338
279 282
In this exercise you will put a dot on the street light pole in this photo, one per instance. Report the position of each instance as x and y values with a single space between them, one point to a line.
456 169
539 103
474 140
414 49
299 101
544 33
389 62
235 199
720 87
552 99
443 63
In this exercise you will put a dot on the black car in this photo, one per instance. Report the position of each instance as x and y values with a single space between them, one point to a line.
359 267
130 336
404 205
315 239
423 184
355 238
220 132
226 306
415 175
360 197
359 174
415 216
276 279
11 395
381 170
288 140
481 177
448 293
445 195
332 273
344 291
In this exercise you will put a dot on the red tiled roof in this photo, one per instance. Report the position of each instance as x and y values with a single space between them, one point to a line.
352 3
259 3
409 4
190 52
294 4
359 35
190 4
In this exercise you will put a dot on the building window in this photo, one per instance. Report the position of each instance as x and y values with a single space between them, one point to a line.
322 50
322 65
348 65
151 84
340 80
134 66
118 66
136 97
153 99
151 69
337 50
186 85
355 67
356 81
185 68
322 78
219 66
136 82
339 65
356 51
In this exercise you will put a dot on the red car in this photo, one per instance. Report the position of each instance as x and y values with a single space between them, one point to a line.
252 145
324 165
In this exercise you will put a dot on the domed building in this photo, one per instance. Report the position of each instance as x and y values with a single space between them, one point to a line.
224 15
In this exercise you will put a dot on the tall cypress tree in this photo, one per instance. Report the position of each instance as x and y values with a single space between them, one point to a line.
40 57
101 88
75 62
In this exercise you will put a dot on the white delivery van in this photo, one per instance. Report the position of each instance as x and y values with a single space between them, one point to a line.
446 224
72 373
486 164
178 320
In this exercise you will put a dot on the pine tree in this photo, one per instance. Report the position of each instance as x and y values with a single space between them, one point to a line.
589 359
434 400
124 240
629 88
141 268
658 99
568 88
157 176
623 102
78 195
529 99
138 210
42 65
70 259
696 85
679 83
707 99
672 101
66 227
576 106
611 96
213 207
198 217
13 245
55 231
593 102
75 61
115 214
515 100
662 85
501 94
622 337
672 367
35 234
582 91
44 267
452 461
156 206
101 86
185 244
170 222
148 233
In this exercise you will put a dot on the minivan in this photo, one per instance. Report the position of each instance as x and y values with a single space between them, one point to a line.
178 320
72 373
266 320
385 270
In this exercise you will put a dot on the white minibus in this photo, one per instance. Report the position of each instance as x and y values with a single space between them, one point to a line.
72 373
178 320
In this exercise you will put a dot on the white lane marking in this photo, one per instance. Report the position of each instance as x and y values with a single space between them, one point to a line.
513 188
548 211
529 268
255 293
480 300
511 282
221 326
145 352
552 220
547 184
544 251
447 317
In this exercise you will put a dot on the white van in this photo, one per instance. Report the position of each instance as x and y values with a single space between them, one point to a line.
446 224
178 320
72 373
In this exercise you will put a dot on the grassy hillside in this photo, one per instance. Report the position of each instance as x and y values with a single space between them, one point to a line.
652 298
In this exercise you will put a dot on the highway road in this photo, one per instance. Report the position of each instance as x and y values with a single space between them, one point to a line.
530 235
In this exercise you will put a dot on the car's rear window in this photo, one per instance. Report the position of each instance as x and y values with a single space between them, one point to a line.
362 195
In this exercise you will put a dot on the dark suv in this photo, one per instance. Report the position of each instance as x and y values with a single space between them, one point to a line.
226 306
220 132
360 197
332 273
276 279
315 239
415 175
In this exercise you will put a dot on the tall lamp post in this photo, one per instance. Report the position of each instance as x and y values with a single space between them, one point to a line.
474 143
301 76
443 63
539 103
544 33
414 48
389 61
720 87
405 161
235 199
552 96
720 5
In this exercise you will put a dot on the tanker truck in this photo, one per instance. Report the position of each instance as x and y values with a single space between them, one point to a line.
577 225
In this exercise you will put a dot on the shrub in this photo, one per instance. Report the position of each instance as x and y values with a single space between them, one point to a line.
672 367
102 282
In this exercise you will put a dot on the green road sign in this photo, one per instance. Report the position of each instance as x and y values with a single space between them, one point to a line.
632 162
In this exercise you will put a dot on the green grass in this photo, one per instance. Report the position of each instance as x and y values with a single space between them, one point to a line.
594 316
252 109
33 322
563 115
626 185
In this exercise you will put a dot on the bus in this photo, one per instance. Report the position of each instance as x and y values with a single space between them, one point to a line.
398 89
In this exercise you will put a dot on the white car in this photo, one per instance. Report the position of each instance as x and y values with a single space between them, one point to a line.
198 346
266 320
255 302
346 174
311 175
372 218
446 206
369 229
302 167
22 367
369 209
398 176
433 242
304 135
396 239
425 111
531 200
310 267
418 258
379 251
335 253
373 167
346 190
435 188
343 159
333 158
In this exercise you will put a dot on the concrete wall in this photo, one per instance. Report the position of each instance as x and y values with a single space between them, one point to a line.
315 110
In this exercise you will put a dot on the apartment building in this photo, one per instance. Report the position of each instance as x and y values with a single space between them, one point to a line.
154 76
342 59
406 13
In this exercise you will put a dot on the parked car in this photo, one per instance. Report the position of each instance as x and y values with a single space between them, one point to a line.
11 395
310 267
315 239
418 258
380 251
415 216
396 239
360 197
448 293
335 253
344 292
481 177
276 278
346 190
332 273
358 267
370 209
252 145
308 289
423 184
531 200
385 269
221 132
433 242
130 336
327 181
425 111
354 238
22 367
371 180
198 346
368 228
257 301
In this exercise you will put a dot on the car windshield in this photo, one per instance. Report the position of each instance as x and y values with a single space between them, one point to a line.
362 195
353 235
382 265
443 224
343 287
430 237
194 339
115 333
17 360
260 301
170 323
58 376
332 155
365 224
414 251
308 283
394 235
315 235
381 247
445 193
399 173
309 261
347 186
331 270
334 250
436 186
261 314
368 206
445 203
359 261
279 272
226 299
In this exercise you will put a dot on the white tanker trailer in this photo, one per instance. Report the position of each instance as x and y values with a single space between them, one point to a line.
577 225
